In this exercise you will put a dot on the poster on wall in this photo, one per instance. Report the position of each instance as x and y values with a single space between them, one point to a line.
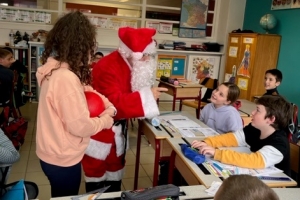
233 51
208 66
243 69
242 83
285 4
170 66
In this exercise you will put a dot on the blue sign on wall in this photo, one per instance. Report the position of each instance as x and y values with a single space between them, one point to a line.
178 66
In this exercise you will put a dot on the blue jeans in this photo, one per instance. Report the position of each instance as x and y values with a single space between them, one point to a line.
64 181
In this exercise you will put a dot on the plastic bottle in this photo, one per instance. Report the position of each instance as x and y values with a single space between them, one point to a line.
154 121
11 38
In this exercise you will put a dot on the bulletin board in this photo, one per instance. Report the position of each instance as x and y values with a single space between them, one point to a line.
170 66
208 66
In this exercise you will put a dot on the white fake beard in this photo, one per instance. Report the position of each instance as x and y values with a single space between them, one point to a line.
142 74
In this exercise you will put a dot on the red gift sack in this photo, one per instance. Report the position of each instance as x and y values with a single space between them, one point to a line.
14 127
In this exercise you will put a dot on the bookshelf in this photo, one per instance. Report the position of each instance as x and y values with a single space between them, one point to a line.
35 52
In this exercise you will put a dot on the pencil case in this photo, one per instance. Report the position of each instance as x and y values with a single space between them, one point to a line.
162 191
192 154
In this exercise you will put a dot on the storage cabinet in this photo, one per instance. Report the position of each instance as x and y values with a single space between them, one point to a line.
35 53
252 54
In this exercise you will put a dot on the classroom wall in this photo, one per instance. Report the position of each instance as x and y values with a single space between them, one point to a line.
289 29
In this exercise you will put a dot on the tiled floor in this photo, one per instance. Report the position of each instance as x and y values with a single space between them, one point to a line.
28 167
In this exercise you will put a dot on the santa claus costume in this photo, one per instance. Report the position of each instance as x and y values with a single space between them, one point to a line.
125 78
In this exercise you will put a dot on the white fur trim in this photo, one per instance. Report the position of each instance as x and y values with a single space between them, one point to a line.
119 139
151 48
148 102
95 179
114 176
97 149
127 52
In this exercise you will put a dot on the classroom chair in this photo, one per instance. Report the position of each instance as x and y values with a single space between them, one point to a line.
199 103
31 188
294 146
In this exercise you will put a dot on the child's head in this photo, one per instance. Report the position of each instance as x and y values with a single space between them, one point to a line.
98 55
272 111
248 187
225 94
8 49
6 58
273 78
72 40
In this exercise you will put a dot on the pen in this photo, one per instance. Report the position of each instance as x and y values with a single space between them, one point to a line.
178 119
212 169
218 167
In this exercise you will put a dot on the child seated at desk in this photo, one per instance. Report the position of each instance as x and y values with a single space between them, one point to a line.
220 115
239 187
273 78
265 136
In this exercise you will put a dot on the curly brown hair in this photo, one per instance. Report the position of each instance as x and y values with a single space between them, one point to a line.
72 40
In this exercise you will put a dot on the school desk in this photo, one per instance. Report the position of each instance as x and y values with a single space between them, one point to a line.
198 192
191 192
247 107
181 91
288 193
156 137
195 175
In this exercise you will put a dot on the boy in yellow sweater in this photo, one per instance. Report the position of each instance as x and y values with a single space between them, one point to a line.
265 136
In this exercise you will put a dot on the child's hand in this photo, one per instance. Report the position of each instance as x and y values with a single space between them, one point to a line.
198 144
208 150
110 111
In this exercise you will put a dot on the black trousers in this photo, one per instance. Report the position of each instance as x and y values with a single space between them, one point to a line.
64 181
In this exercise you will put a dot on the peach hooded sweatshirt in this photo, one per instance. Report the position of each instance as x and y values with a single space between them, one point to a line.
63 123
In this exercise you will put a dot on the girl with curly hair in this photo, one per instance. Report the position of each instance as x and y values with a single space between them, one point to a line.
64 126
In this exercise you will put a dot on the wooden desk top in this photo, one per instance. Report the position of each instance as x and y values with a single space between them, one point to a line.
182 84
198 191
247 106
207 179
288 193
169 133
192 192
204 179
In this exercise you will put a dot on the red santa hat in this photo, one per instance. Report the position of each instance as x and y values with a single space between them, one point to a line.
136 42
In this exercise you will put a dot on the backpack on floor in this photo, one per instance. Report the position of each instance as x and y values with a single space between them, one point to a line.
14 126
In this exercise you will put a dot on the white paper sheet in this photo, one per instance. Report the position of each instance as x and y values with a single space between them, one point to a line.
208 132
184 123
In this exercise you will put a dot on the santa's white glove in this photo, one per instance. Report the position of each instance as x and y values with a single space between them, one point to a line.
156 91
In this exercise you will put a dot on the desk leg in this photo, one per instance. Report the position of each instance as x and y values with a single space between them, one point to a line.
156 162
138 153
157 101
171 167
174 99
